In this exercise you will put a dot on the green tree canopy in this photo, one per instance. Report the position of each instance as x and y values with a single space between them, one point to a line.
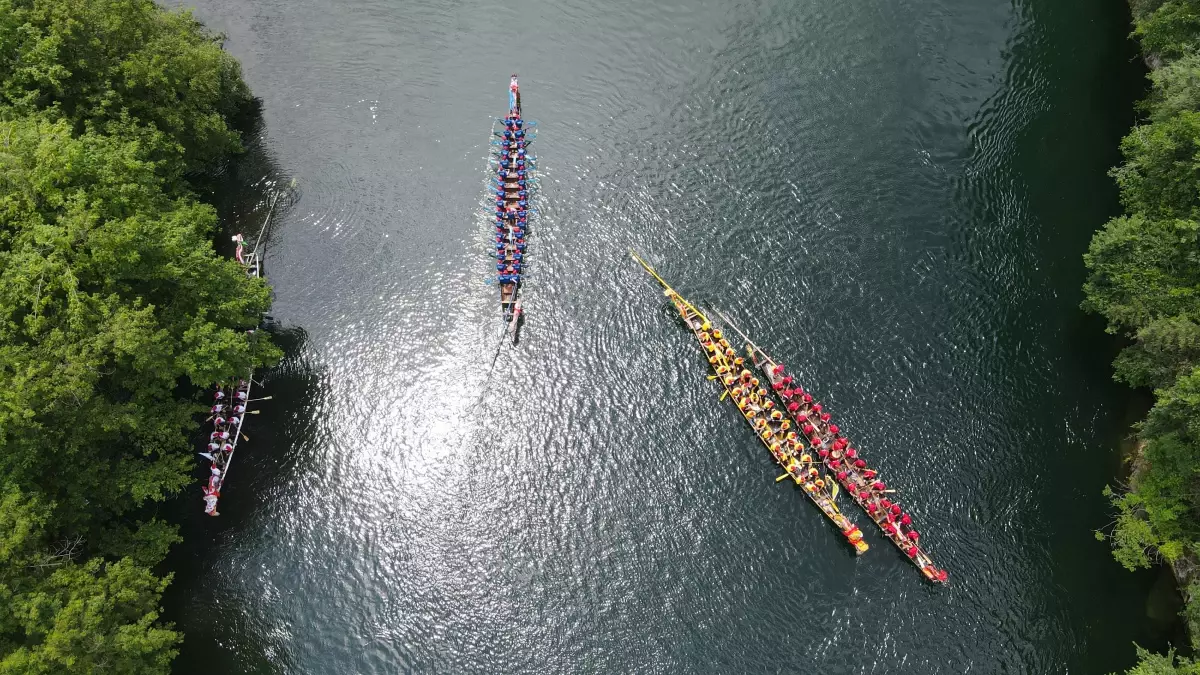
114 312
107 62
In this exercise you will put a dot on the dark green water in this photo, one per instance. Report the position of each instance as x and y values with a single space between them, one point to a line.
893 198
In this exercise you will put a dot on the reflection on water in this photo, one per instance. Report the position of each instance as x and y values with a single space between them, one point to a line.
874 192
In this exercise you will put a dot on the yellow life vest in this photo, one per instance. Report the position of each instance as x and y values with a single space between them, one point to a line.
806 458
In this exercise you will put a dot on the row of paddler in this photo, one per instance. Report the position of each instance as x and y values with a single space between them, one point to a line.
512 201
862 483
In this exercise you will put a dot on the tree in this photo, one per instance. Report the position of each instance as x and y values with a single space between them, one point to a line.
106 62
1140 270
1161 174
1170 30
114 313
1150 663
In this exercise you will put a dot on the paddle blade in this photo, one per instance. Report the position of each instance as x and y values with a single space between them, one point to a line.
833 493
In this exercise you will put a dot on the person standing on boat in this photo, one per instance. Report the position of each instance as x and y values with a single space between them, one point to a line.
237 253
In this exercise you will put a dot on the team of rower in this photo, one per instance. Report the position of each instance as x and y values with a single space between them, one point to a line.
862 483
512 197
229 407
756 406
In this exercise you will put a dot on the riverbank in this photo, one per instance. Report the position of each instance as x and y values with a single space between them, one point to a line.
116 317
1144 279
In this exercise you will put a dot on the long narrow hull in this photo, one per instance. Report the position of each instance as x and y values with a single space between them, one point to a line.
233 401
824 442
753 405
513 180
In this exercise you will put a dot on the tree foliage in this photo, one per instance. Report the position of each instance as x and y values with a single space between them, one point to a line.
114 307
101 64
1150 663
1144 278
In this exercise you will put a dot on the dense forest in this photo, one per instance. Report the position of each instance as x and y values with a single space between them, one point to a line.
1144 279
116 316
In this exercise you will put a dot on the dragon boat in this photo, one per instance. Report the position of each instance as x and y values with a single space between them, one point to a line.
833 449
513 180
757 408
230 400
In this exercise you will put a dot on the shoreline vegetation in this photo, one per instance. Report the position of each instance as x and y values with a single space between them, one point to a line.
116 315
1144 279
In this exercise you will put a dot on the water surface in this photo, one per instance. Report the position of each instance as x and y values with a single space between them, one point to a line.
893 198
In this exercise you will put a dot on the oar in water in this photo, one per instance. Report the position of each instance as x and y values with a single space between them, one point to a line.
781 478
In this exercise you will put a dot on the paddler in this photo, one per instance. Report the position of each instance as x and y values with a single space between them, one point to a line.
210 501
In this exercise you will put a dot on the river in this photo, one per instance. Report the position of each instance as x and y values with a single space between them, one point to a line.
892 198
